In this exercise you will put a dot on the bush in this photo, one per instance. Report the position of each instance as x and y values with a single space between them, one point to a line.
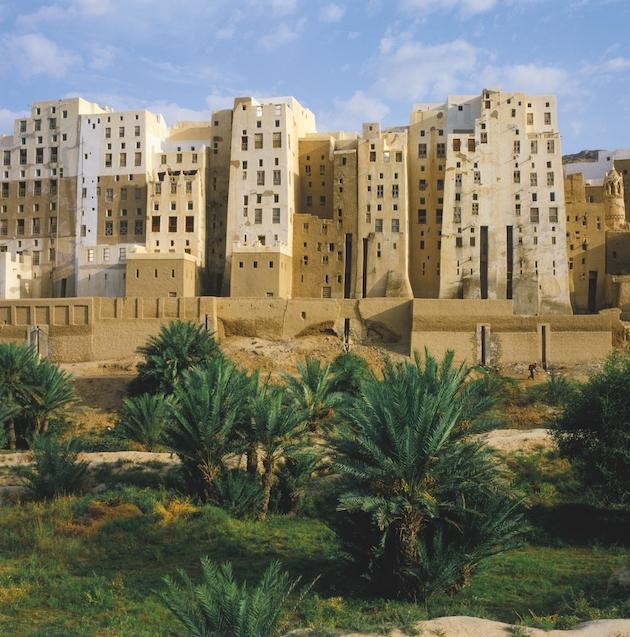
57 469
33 389
179 346
239 493
422 504
211 407
594 432
557 390
219 606
144 418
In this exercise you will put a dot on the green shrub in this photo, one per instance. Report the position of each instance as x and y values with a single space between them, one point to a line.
57 469
422 504
144 418
179 346
594 432
211 408
35 390
557 390
239 493
219 606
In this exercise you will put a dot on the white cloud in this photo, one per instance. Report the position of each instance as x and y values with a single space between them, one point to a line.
277 7
412 70
7 118
102 57
34 54
282 35
332 13
350 113
465 7
612 65
530 78
174 112
216 101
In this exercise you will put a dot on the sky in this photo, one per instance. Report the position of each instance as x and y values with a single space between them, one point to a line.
349 61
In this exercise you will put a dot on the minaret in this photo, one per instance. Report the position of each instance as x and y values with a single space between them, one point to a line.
615 212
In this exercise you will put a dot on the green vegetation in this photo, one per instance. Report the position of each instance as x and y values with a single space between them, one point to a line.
32 391
374 486
57 469
219 606
423 503
178 347
594 432
144 418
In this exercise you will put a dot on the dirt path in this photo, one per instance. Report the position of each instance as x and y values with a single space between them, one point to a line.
476 627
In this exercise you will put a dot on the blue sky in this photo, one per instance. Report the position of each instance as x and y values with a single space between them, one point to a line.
347 60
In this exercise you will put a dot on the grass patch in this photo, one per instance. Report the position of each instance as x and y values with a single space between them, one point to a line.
89 566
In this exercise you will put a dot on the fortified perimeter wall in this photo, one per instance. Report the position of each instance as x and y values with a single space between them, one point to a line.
485 331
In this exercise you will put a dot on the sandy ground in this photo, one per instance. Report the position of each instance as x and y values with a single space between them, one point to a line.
475 627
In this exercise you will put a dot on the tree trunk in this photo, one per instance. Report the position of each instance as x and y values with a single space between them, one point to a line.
252 459
409 531
267 481
11 434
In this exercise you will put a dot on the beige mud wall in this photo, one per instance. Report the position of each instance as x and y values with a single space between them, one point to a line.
100 328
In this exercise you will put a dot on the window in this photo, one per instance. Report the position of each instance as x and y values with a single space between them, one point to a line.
547 117
276 140
137 159
276 178
122 254
534 215
121 131
52 225
472 145
7 158
475 208
258 215
90 255
533 179
108 160
517 176
138 227
378 225
422 216
36 226
155 223
395 225
379 191
441 150
190 223
258 141
457 144
275 215
553 214
109 228
4 227
122 227
530 119
260 177
422 151
395 191
551 146
440 184
172 224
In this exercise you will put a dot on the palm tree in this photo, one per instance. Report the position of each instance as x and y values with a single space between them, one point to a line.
349 371
210 405
220 607
144 418
276 430
50 393
16 365
177 347
421 502
312 392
